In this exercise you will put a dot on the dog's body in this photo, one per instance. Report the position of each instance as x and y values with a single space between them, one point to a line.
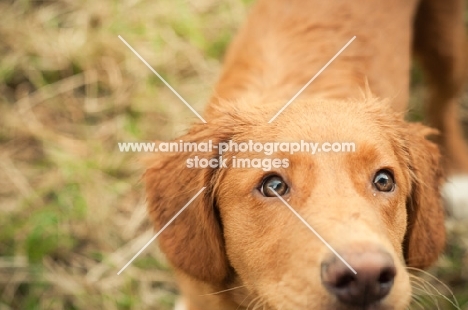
246 246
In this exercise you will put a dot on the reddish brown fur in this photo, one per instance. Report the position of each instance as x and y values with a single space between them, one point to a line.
232 236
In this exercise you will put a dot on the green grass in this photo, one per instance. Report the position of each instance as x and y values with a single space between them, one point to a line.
71 206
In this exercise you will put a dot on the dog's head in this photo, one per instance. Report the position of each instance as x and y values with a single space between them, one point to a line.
377 208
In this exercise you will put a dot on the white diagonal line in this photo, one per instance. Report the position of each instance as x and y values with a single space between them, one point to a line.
313 230
161 78
312 79
161 230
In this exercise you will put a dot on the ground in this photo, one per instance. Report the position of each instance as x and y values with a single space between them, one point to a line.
72 208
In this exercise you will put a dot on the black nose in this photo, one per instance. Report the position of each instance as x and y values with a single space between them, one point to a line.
373 281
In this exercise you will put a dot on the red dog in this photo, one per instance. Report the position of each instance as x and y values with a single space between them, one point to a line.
238 245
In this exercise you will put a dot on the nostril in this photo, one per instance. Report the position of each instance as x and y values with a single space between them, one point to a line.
386 276
344 281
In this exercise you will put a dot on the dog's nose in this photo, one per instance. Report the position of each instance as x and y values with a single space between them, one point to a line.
372 282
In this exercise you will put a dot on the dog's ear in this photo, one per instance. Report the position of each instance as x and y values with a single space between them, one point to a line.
425 236
193 242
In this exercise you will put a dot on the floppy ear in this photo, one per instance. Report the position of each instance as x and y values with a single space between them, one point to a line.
425 236
193 242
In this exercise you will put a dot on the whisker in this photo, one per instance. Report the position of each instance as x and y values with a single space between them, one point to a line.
430 288
420 283
223 291
434 278
422 298
247 296
415 300
259 303
421 302
253 302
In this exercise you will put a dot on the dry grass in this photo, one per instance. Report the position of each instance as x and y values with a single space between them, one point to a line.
71 206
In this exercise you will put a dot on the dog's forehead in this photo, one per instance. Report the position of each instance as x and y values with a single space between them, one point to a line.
327 121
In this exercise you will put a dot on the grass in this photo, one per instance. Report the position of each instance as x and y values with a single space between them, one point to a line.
72 209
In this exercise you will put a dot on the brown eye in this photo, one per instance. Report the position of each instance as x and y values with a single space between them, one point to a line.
272 184
383 181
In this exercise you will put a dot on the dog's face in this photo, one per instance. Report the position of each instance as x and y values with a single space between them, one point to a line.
377 207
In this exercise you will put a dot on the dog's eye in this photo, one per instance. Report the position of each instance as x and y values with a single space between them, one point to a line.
383 181
272 184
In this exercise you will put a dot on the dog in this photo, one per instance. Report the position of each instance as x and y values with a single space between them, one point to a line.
329 230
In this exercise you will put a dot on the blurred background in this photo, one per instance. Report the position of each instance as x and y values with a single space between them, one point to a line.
72 209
